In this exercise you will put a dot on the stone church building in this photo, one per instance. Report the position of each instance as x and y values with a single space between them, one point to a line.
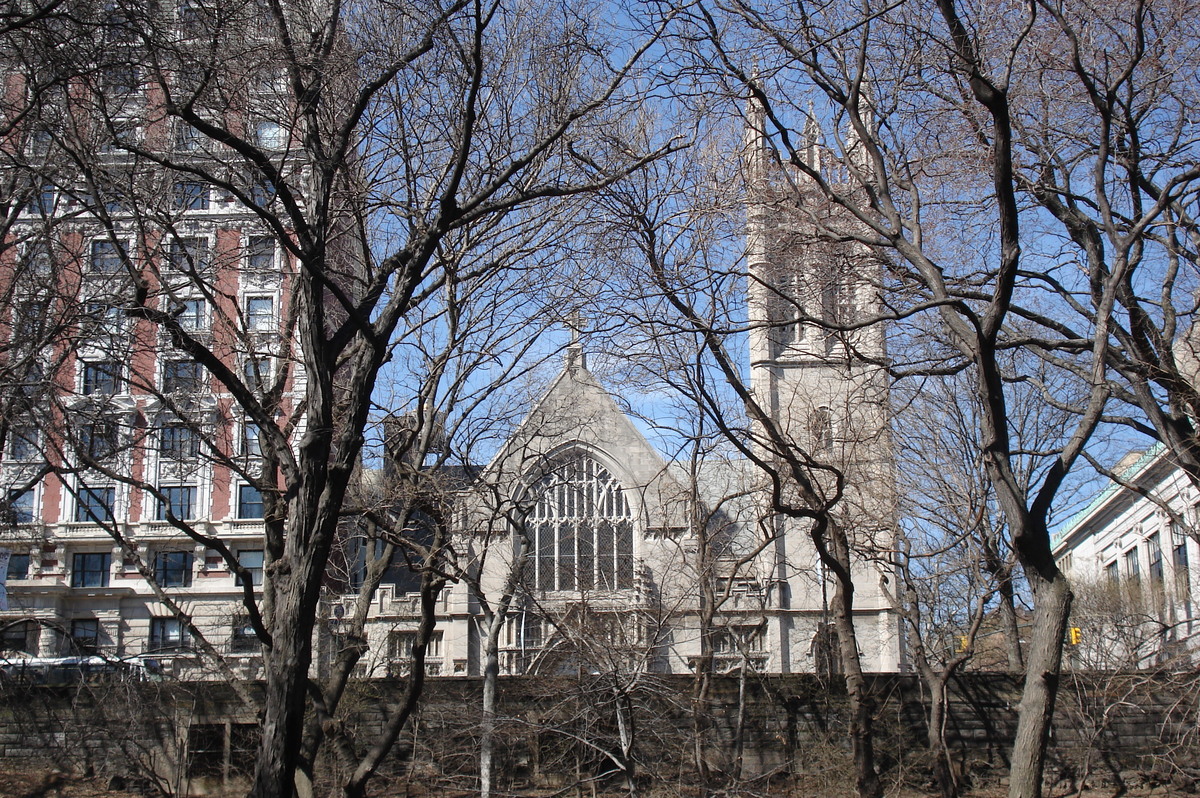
606 555
615 558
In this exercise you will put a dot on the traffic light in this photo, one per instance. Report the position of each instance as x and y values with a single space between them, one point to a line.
1074 635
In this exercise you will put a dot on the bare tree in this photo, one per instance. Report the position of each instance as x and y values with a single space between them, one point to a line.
678 228
893 82
390 172
955 578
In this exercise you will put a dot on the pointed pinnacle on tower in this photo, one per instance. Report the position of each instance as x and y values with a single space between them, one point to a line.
811 147
755 152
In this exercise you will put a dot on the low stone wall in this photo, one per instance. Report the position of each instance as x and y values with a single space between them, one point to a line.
553 732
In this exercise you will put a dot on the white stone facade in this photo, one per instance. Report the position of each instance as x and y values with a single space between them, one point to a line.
1131 558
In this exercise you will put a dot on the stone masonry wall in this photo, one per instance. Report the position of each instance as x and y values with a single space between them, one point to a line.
554 732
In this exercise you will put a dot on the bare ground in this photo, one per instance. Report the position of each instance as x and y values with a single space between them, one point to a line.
57 784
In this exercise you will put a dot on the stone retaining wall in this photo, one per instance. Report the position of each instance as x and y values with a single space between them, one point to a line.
557 731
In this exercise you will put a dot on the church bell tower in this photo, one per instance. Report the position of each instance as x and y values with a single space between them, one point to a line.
818 369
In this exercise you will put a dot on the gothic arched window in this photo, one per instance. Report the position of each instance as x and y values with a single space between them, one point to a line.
580 528
821 429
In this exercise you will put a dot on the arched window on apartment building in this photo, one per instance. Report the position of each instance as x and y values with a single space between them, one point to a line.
580 528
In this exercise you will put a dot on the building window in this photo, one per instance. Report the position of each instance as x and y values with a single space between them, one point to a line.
187 138
107 257
403 572
29 385
119 81
181 376
251 439
738 640
104 319
270 135
262 191
99 439
821 429
206 750
243 638
19 636
525 632
168 634
269 81
190 195
1112 572
173 568
40 140
838 305
24 443
95 505
401 644
1133 566
38 259
260 313
41 201
180 500
101 378
191 15
1155 559
89 569
581 528
191 315
257 372
189 255
260 254
31 321
18 567
215 754
118 27
85 635
1179 559
250 502
252 561
178 442
116 202
125 135
21 507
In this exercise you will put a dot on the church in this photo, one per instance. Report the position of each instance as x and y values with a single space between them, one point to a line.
577 546
606 556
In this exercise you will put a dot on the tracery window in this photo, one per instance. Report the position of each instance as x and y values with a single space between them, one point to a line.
581 529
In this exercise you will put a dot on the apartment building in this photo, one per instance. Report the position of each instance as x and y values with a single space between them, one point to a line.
140 242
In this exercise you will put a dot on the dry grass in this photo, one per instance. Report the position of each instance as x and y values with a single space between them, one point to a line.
39 783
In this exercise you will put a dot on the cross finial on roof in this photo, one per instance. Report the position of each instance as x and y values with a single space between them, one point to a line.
575 358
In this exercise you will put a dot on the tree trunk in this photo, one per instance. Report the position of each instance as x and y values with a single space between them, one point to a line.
861 711
286 664
1052 605
943 767
739 729
1012 632
702 688
861 702
487 726
700 719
